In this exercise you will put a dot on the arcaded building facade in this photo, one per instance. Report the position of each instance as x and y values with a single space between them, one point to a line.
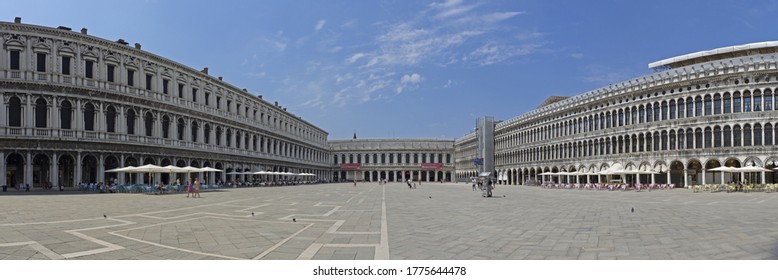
394 160
694 113
74 106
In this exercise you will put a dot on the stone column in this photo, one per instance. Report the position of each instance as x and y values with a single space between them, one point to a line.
703 176
685 178
78 168
28 170
121 175
101 168
2 163
53 115
29 121
54 172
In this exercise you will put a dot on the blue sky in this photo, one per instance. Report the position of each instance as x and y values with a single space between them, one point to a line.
420 69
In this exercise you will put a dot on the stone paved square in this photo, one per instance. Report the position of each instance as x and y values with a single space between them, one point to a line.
371 221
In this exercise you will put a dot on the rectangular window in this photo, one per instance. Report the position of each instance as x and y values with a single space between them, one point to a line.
130 77
149 79
229 106
180 90
218 102
757 103
165 83
207 97
41 61
88 69
111 70
747 104
15 65
65 65
194 94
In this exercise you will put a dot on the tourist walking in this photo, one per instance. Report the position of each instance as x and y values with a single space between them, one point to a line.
197 188
189 188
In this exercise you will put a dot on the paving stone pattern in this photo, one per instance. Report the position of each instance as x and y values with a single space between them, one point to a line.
370 221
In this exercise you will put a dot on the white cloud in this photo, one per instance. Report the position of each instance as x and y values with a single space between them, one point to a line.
451 8
414 78
320 25
495 17
355 57
409 81
492 53
444 33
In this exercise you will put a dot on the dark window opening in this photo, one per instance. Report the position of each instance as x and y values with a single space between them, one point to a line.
41 61
130 77
65 65
15 65
110 119
89 118
15 112
111 70
65 114
41 108
165 83
149 79
88 69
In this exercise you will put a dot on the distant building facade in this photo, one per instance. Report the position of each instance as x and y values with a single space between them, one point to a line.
394 160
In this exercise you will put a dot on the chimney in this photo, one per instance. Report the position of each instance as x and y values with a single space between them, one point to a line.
276 103
17 20
137 46
205 70
121 41
220 78
245 90
260 96
64 28
83 30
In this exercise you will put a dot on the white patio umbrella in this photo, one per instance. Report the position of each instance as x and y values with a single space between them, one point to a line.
190 169
126 169
122 169
722 169
209 169
751 169
148 168
171 169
